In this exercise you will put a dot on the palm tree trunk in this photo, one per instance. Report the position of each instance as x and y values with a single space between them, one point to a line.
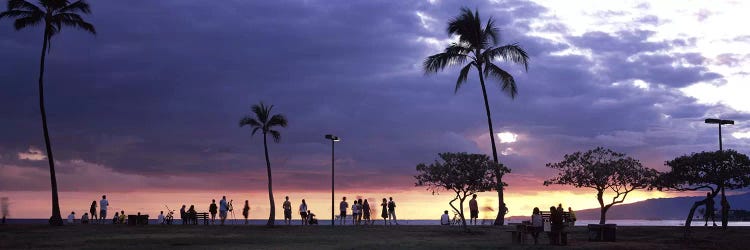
56 218
500 219
272 216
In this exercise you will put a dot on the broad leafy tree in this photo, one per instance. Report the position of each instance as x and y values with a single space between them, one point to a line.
477 48
53 15
706 171
266 122
461 173
608 172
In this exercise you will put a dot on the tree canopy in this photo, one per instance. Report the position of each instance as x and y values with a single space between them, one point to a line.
605 171
710 171
462 173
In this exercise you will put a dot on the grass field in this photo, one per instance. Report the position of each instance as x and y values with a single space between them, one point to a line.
325 237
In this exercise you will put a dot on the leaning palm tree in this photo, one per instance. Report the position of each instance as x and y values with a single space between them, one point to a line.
477 45
54 15
263 121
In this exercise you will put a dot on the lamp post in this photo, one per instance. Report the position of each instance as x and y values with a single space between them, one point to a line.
333 139
724 203
720 122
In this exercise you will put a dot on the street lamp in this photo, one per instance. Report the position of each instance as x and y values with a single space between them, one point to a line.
333 139
720 122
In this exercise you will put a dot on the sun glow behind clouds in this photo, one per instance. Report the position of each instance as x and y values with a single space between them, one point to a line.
507 137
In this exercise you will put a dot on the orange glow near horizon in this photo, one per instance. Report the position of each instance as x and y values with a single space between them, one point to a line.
414 204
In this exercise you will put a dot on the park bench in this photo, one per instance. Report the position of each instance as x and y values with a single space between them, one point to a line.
519 231
563 233
203 216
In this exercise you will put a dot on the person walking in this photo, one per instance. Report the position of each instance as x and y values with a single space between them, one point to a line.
384 211
342 207
213 209
287 211
392 211
246 211
303 212
223 208
103 204
473 210
366 212
92 210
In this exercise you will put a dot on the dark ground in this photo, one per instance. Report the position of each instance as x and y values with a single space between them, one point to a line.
325 237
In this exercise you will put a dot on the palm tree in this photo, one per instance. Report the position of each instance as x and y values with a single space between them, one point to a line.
265 122
477 45
54 14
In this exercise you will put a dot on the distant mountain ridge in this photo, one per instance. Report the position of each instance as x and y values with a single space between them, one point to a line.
660 208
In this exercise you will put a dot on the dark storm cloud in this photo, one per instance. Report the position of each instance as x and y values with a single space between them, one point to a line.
159 91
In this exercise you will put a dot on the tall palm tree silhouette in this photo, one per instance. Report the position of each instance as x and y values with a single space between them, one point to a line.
477 45
54 14
262 120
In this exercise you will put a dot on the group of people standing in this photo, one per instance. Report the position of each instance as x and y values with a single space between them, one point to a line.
558 220
361 209
189 216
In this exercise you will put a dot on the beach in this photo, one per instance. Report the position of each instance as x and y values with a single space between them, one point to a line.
24 236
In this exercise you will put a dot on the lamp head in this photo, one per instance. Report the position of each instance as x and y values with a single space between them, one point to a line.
719 121
332 137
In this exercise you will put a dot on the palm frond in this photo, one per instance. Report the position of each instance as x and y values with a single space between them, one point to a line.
23 5
261 112
511 53
508 83
77 6
276 135
277 120
491 34
466 28
462 76
249 121
20 14
255 130
438 62
28 21
73 20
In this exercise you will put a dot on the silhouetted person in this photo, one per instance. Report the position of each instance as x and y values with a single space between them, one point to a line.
122 216
103 204
92 210
572 217
246 211
85 218
537 224
473 210
287 211
303 212
72 217
392 211
183 215
160 219
343 205
193 215
384 211
366 212
223 208
445 219
710 210
724 211
213 210
359 215
556 221
312 220
116 219
355 212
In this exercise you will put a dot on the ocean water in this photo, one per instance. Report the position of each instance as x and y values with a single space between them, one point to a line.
437 222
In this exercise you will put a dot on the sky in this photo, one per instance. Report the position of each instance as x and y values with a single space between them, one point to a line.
147 110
